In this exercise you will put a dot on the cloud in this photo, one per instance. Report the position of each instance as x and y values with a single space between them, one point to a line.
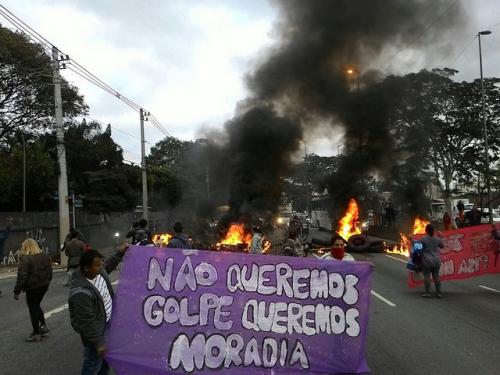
183 61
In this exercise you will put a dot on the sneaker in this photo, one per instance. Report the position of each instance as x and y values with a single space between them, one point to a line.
426 295
34 337
44 331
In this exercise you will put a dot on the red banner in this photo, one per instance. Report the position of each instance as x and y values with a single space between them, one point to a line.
467 252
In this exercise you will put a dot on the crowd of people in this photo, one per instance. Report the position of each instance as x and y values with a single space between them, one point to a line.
91 294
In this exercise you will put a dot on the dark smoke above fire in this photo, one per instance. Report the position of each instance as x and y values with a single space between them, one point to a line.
302 81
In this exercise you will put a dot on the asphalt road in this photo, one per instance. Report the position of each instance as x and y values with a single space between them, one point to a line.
407 335
411 335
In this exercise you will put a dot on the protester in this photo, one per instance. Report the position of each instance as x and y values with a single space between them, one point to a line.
390 215
446 221
33 277
73 249
337 250
496 235
131 232
431 261
4 234
179 239
90 306
142 236
474 216
68 237
295 228
256 244
460 219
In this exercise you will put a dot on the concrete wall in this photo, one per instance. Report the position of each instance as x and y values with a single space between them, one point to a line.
99 230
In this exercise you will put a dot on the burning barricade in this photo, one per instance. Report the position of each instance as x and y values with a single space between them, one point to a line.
238 239
161 239
405 244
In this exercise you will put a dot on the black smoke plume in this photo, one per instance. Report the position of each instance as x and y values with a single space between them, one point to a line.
303 81
260 147
306 73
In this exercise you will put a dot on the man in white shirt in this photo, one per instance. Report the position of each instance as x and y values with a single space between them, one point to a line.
90 306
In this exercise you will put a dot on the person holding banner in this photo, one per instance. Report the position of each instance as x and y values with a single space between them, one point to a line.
90 306
431 261
179 240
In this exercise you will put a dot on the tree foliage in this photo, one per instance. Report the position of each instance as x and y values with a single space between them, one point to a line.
26 87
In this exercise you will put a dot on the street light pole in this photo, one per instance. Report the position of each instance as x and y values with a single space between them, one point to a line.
485 130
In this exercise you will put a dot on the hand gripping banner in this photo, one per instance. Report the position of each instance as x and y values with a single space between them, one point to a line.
179 311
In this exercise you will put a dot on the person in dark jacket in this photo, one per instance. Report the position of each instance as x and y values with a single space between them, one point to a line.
90 306
431 260
131 232
33 277
179 240
74 249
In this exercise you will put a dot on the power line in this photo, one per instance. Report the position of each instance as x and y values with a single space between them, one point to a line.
492 27
26 30
75 66
452 61
32 31
391 60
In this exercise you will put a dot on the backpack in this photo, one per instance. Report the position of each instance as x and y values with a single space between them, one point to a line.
415 262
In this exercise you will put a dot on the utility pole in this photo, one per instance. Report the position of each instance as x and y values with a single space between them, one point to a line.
145 207
61 154
485 130
24 173
74 215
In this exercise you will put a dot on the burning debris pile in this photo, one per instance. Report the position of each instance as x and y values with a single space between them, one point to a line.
404 246
237 239
161 239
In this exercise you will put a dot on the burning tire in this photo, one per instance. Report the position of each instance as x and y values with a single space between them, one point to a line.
358 243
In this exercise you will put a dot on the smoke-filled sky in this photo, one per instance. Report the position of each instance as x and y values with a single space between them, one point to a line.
186 61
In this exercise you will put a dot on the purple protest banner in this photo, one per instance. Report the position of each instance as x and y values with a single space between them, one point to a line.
179 311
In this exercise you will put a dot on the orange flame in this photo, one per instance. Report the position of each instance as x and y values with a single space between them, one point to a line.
419 225
266 246
349 224
403 248
236 235
162 239
405 244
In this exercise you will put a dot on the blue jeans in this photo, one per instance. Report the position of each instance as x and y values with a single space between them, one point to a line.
93 364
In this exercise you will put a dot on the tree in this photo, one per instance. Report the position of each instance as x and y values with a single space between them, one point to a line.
26 87
41 177
439 126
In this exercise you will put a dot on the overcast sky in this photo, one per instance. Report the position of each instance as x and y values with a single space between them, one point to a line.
185 60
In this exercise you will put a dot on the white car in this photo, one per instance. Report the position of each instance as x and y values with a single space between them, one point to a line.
486 219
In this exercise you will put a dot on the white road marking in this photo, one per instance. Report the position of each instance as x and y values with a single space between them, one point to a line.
374 293
490 289
56 311
401 260
383 299
65 306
